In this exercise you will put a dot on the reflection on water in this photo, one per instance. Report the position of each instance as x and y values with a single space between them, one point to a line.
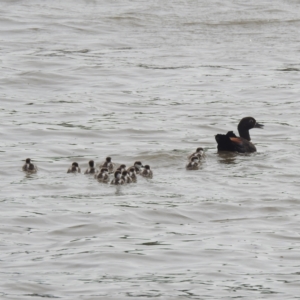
226 157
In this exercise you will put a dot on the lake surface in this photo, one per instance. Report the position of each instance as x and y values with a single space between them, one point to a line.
150 81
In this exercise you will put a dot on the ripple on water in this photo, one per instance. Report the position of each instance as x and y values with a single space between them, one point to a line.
149 82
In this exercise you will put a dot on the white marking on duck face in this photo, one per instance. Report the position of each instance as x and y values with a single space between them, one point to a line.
138 165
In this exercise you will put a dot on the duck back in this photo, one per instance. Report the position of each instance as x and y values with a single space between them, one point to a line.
230 142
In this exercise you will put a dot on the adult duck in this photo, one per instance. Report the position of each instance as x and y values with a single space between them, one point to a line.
242 144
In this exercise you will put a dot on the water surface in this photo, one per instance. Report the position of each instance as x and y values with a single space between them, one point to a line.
149 81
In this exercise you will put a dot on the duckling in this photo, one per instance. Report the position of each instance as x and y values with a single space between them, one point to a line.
193 164
117 178
74 168
103 175
199 152
29 166
91 169
126 177
147 172
108 164
122 168
132 174
137 166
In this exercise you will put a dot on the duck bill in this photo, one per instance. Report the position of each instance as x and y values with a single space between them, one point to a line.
257 125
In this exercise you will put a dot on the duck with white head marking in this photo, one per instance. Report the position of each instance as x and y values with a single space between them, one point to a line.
118 180
147 172
199 152
126 177
121 168
193 164
138 166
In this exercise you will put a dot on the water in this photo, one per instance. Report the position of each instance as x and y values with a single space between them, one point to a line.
149 81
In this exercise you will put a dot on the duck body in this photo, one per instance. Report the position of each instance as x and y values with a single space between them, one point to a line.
132 174
29 166
118 180
146 172
138 166
233 143
74 168
199 152
103 176
126 177
108 164
242 144
194 163
91 169
121 168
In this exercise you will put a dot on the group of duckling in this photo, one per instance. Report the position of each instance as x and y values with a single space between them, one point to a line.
194 159
226 142
122 175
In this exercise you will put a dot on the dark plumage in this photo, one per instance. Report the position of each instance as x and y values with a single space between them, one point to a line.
147 172
193 163
91 169
199 152
108 164
132 174
103 176
121 168
29 166
74 168
242 144
117 179
126 177
137 166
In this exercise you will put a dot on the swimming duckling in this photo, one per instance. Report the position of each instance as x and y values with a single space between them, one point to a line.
132 174
74 168
117 178
242 144
193 164
147 172
137 166
91 169
29 166
108 164
199 152
126 177
122 168
103 176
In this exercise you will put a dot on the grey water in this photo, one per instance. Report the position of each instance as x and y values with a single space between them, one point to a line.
150 81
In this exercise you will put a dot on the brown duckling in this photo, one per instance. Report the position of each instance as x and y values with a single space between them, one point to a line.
29 166
91 169
147 172
74 168
103 175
